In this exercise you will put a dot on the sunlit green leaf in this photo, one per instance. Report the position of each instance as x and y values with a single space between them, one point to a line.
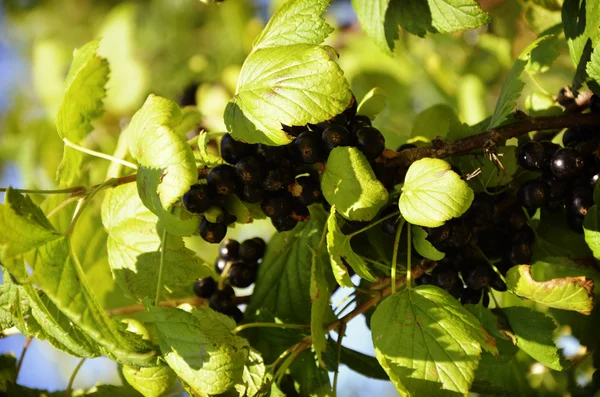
373 103
150 381
253 377
491 174
423 246
320 297
434 122
433 194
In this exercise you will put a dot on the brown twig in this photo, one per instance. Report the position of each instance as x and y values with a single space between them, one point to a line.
192 300
495 136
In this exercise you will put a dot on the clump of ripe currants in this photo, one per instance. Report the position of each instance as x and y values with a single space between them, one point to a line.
237 264
283 180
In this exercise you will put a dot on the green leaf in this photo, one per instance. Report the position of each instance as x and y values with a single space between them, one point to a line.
292 85
591 230
150 381
593 70
296 22
433 194
201 349
350 184
555 239
81 104
427 341
29 227
208 159
340 249
8 370
533 331
320 297
513 85
167 167
373 103
581 22
133 247
423 246
434 122
380 18
253 377
491 175
568 293
544 55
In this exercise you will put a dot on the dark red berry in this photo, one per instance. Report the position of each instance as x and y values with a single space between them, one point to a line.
229 249
307 145
222 179
371 142
249 171
204 288
335 136
533 194
222 300
566 163
197 199
241 275
531 155
212 232
233 151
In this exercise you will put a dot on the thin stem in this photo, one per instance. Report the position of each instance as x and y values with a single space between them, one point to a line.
224 275
370 225
73 189
494 298
408 258
395 254
84 203
491 264
163 246
99 154
269 325
347 305
62 205
341 333
20 363
73 375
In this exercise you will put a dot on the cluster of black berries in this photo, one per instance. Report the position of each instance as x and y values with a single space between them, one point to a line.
569 174
282 179
238 264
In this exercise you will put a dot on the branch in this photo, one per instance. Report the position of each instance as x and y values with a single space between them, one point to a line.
441 149
192 300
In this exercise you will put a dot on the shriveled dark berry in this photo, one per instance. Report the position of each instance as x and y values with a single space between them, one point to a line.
307 145
222 179
241 275
197 199
251 193
371 142
471 296
212 232
531 155
478 276
309 189
284 224
205 287
335 136
566 163
249 171
580 200
252 250
229 249
533 194
271 154
277 205
519 254
222 300
233 151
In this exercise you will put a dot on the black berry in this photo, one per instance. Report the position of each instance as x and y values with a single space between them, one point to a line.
478 276
233 151
252 250
580 200
425 279
220 265
370 141
197 199
229 249
307 145
222 179
271 154
335 136
284 224
251 193
212 232
566 163
235 313
310 189
277 205
531 155
471 296
222 300
241 275
595 104
498 284
533 194
519 254
249 171
445 278
204 288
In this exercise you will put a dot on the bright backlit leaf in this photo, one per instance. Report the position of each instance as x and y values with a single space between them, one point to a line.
423 246
150 381
373 103
433 194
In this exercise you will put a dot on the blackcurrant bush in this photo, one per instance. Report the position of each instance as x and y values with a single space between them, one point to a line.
595 104
229 249
519 254
471 296
307 145
533 194
250 193
222 300
566 163
197 199
222 179
309 189
371 142
241 275
252 250
335 136
531 155
212 232
478 275
580 200
271 154
233 151
205 287
445 278
284 223
277 205
249 171
425 279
